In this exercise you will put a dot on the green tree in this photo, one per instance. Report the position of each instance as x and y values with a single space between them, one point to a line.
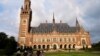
96 46
3 38
11 45
8 44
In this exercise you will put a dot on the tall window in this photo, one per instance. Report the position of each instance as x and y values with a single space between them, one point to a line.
69 46
74 46
43 40
65 46
84 43
73 39
48 40
64 39
68 39
60 40
60 46
54 39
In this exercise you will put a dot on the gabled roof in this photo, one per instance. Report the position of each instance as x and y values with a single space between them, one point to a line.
50 27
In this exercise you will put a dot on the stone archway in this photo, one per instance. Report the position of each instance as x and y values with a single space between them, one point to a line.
48 46
39 46
74 46
34 46
61 46
84 44
65 46
43 46
69 46
54 47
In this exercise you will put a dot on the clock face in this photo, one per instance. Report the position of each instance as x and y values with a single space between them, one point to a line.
24 21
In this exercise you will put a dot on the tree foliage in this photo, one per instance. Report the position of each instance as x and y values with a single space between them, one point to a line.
96 46
8 44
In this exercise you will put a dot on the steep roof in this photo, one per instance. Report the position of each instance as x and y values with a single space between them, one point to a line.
50 27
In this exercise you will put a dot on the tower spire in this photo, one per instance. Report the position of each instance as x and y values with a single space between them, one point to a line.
53 19
54 29
77 23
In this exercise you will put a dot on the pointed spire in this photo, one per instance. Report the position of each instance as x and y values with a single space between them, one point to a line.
54 30
77 23
80 28
53 19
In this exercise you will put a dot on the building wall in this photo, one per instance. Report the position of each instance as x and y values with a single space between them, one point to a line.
52 40
61 40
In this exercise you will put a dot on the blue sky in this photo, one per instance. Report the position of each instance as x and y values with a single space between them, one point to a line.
87 12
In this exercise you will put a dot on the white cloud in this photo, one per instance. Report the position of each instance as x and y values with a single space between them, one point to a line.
65 10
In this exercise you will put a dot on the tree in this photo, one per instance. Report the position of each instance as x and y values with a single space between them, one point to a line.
8 44
3 38
96 46
11 45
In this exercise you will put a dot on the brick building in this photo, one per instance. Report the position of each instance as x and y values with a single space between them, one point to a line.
50 35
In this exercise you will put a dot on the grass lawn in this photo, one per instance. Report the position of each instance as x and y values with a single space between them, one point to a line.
72 54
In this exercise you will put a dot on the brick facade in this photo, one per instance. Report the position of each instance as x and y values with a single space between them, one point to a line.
50 35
